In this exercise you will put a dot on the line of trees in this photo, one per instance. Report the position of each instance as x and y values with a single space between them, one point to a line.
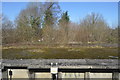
46 23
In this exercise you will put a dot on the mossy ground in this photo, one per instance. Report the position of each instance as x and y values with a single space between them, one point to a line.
36 52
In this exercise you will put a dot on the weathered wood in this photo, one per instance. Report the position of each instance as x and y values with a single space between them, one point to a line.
59 75
31 75
0 74
115 76
87 76
5 74
63 63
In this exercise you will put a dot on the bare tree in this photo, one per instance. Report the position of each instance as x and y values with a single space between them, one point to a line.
64 28
94 28
7 31
29 22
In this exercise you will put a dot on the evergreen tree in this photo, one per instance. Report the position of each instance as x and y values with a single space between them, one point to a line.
64 18
64 29
50 19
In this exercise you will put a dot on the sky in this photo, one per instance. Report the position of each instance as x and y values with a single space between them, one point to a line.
76 10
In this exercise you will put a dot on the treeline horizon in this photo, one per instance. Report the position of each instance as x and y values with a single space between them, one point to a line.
46 23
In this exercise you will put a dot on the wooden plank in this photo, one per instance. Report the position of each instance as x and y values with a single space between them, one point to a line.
31 75
115 76
87 76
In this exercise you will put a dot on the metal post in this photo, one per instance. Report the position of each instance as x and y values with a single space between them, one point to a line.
54 77
10 74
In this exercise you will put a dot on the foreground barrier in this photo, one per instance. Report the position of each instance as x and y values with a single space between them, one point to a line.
57 70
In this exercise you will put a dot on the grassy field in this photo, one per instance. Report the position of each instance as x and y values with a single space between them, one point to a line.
36 52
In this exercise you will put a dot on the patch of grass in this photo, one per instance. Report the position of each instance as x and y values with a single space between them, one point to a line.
58 53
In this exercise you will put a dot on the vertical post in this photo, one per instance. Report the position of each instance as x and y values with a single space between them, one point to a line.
5 74
54 71
10 74
0 74
87 76
59 75
115 76
54 77
31 75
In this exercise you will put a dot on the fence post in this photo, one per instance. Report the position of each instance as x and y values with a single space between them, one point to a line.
31 75
5 74
115 76
87 76
59 75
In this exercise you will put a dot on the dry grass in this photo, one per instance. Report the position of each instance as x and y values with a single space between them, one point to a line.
39 52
